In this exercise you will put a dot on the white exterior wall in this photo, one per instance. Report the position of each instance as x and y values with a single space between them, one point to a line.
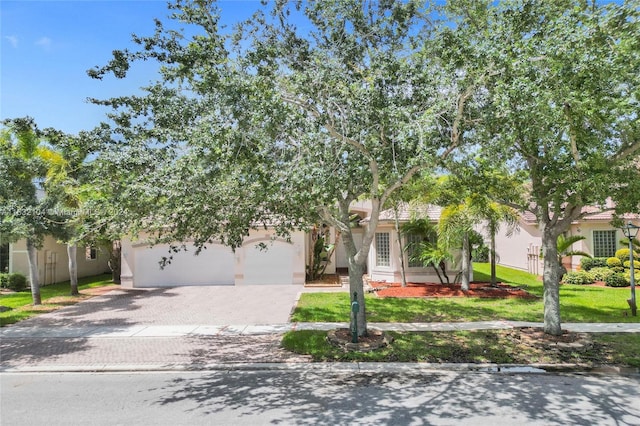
515 251
281 263
53 261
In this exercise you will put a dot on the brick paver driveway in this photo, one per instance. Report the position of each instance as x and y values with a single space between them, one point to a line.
207 305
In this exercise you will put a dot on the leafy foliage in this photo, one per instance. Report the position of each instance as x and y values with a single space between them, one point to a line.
578 277
278 124
616 279
588 263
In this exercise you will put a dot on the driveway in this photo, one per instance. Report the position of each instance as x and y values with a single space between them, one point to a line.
206 305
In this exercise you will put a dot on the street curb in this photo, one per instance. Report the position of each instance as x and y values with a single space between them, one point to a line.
334 367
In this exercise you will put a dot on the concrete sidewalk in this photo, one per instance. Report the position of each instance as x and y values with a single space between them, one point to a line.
183 330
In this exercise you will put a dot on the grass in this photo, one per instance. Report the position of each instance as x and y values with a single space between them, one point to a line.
486 346
53 297
577 304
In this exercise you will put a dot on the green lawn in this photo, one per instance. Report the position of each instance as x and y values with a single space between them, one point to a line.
578 304
53 297
484 346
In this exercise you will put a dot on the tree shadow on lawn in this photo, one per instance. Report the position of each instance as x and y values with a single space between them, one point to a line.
326 397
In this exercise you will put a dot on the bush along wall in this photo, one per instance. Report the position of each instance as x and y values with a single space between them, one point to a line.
15 281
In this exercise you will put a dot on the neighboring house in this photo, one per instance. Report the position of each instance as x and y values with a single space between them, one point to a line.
53 261
522 249
283 262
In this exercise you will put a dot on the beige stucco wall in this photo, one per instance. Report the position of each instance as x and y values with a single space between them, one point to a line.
53 261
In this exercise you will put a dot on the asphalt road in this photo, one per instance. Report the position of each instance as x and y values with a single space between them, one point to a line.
314 397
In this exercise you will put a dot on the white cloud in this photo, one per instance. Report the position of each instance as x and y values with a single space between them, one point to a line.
13 40
44 42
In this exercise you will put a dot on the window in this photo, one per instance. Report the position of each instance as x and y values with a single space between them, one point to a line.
383 255
413 249
4 257
604 243
91 253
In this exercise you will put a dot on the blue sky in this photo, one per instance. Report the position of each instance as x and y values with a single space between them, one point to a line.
46 47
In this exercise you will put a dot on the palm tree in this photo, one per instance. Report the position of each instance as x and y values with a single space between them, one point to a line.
22 158
497 215
564 245
63 184
455 226
429 251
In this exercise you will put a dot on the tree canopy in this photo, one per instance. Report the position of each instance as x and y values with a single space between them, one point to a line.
287 119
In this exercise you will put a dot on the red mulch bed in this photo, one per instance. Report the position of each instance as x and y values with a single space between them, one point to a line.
477 289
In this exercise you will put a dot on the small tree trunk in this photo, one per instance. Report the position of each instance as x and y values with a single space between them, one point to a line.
551 279
32 256
403 273
73 268
492 254
464 281
115 262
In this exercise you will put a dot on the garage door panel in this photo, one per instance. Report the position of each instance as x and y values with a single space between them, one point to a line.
213 266
271 266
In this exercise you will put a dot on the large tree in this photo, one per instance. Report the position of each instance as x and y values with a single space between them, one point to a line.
561 104
288 119
24 212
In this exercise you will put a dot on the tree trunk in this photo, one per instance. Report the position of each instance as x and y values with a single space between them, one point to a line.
492 254
403 274
115 261
551 279
72 249
32 256
464 284
356 288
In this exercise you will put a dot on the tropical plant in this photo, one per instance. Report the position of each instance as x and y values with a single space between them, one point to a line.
564 248
428 250
24 214
320 256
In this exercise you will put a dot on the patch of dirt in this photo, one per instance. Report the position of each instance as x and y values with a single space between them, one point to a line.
476 289
328 280
375 339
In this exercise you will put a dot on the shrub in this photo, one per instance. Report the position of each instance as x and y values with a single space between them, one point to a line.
616 280
623 254
4 280
614 262
15 282
588 263
636 264
601 273
578 277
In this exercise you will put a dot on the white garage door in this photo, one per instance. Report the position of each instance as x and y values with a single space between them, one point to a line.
213 266
271 266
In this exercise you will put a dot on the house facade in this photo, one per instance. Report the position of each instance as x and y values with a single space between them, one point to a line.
52 260
522 249
282 262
